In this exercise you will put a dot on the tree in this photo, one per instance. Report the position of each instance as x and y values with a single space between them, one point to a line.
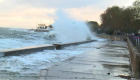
121 19
111 19
136 6
93 25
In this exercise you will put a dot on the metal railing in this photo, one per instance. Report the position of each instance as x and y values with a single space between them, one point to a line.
135 41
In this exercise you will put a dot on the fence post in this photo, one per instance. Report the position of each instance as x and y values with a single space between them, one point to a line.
138 45
136 42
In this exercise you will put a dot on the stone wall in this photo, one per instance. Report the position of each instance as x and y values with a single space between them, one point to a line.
134 59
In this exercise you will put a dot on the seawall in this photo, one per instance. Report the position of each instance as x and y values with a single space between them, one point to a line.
31 49
134 59
60 46
26 50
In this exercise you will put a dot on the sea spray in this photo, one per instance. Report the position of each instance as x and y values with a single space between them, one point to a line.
65 30
69 30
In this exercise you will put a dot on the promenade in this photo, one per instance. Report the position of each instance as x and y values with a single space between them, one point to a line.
107 61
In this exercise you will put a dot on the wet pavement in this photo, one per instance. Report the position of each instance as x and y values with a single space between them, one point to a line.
106 61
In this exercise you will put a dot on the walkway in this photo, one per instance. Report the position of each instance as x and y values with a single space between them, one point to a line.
106 62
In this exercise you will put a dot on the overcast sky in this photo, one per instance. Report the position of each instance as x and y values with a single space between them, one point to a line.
28 13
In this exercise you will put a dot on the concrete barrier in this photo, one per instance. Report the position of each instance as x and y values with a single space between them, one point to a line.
60 46
26 50
31 49
134 59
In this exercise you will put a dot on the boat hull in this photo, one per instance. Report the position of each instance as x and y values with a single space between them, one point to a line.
41 30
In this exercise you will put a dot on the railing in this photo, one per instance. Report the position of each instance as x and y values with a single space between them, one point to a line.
135 41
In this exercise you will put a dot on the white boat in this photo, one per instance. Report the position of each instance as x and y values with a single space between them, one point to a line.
43 28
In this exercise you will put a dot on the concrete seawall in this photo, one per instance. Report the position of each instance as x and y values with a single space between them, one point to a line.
135 59
31 49
26 50
60 46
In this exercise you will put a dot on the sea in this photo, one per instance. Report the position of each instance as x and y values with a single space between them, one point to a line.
11 38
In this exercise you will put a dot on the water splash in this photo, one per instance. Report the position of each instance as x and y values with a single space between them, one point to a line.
69 30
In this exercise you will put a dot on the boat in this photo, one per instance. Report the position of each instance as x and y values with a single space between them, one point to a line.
43 28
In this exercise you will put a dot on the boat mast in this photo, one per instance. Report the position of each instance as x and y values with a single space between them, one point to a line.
36 24
50 21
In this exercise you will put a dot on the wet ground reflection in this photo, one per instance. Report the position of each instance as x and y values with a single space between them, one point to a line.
106 61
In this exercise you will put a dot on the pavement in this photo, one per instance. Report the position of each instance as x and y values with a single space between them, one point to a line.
105 62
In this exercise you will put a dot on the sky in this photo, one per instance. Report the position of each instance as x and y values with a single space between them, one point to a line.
28 13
